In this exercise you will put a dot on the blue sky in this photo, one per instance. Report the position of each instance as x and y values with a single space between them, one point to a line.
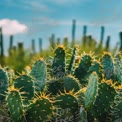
41 18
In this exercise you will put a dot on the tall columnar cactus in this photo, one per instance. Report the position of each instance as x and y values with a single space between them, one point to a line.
52 41
73 32
108 43
1 44
40 45
65 42
120 41
33 46
11 45
58 66
67 107
84 30
3 84
39 74
72 61
102 34
118 67
11 42
40 109
26 86
15 105
81 71
108 66
58 41
84 43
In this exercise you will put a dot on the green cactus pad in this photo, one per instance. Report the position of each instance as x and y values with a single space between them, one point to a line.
26 86
70 83
38 72
96 67
55 86
3 84
116 108
104 99
91 91
118 68
108 66
82 70
15 105
58 66
67 106
72 61
67 83
40 110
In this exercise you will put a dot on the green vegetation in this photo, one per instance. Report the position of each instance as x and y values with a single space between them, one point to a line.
71 84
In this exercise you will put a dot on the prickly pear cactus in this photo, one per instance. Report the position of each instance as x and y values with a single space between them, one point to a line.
91 91
40 109
116 108
26 86
81 71
108 66
118 67
67 83
54 86
67 107
72 61
102 105
3 84
70 83
96 67
58 66
15 105
38 72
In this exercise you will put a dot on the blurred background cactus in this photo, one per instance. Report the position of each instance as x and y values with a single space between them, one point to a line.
18 57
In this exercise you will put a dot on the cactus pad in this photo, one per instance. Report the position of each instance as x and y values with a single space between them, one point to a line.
92 90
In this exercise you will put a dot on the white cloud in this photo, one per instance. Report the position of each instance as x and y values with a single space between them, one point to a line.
12 27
